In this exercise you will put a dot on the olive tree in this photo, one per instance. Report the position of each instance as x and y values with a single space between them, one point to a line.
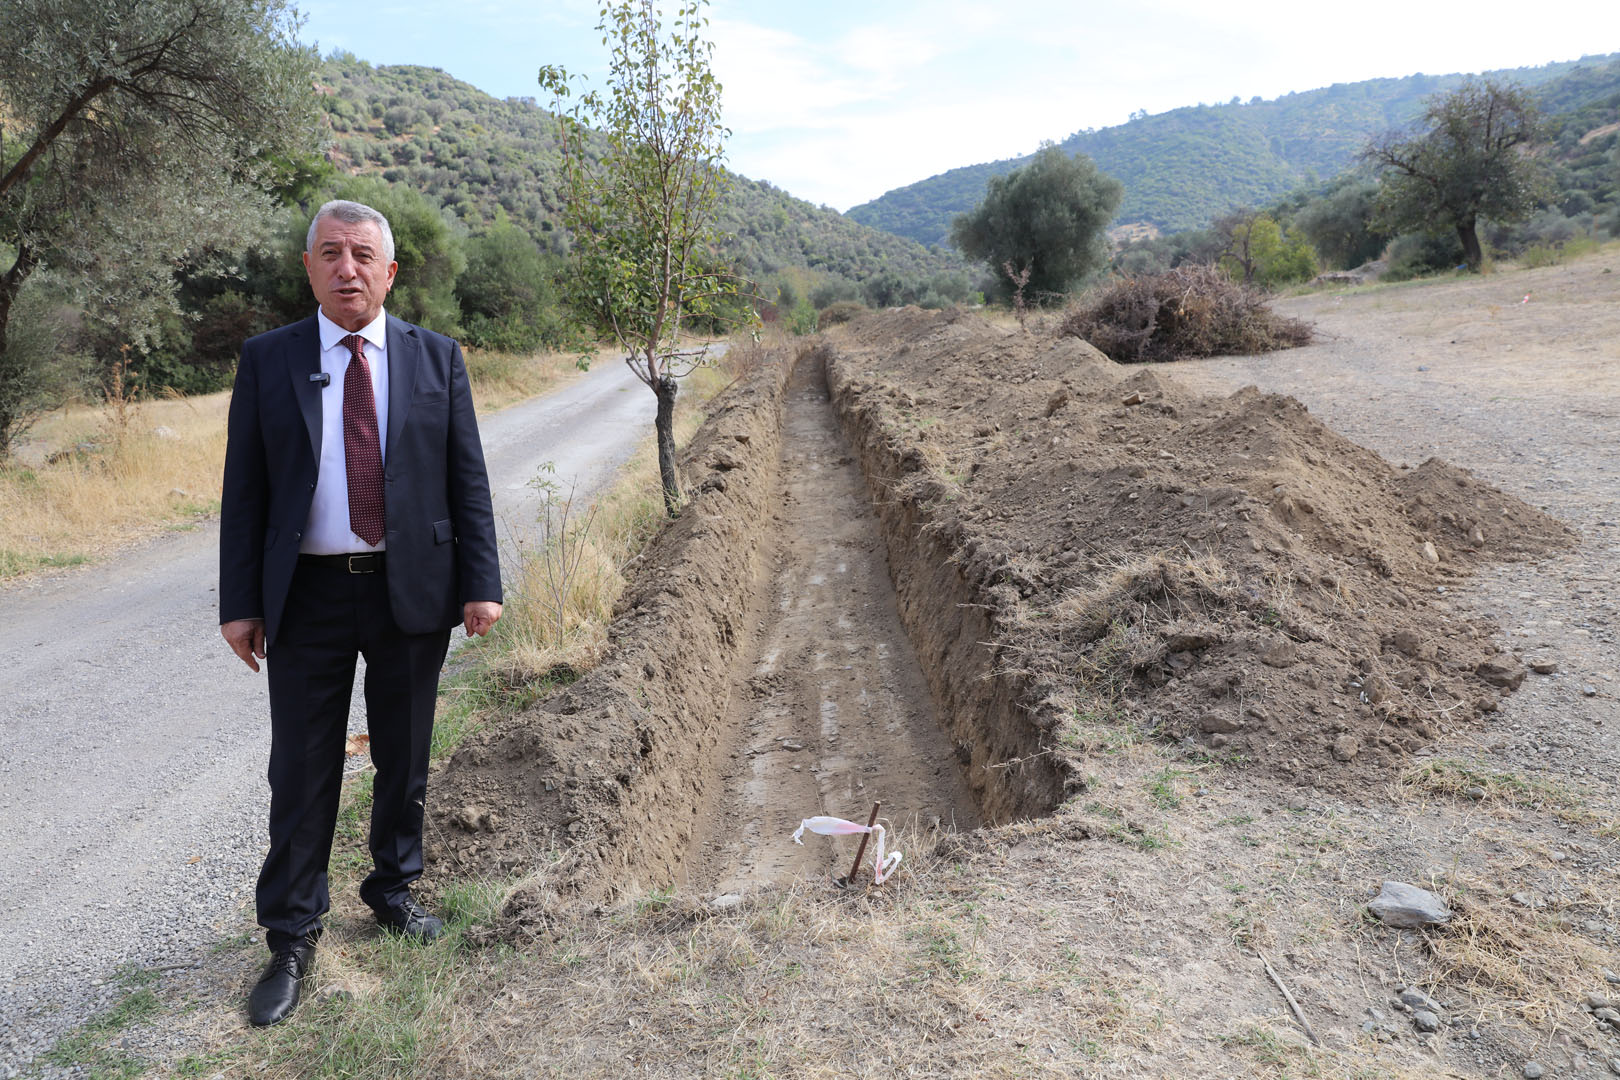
1042 226
643 181
1467 160
137 137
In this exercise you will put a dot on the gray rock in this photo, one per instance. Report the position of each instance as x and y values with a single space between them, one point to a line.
1417 999
1475 792
1503 671
726 900
1534 1070
1611 977
1607 1015
1221 723
1406 906
1589 690
1596 1001
1614 1065
1426 1020
1543 666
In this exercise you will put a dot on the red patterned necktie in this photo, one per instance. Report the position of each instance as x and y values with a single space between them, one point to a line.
362 450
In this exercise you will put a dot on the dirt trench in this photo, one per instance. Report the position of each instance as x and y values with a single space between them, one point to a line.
830 710
762 671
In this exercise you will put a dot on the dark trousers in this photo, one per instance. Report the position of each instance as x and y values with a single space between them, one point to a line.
331 617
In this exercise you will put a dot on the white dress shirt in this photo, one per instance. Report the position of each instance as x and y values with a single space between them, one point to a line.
327 531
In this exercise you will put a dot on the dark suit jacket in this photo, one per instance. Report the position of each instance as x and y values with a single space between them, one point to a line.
439 525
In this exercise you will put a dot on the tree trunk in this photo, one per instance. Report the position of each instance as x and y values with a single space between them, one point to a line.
10 285
1470 244
664 425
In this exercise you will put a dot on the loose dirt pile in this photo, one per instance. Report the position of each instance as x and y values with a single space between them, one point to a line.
1219 569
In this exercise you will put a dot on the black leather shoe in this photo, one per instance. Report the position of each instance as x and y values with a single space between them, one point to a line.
410 919
274 998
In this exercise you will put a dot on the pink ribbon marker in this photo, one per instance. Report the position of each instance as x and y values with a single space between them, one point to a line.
882 866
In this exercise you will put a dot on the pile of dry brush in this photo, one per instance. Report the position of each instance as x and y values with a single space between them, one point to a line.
1189 311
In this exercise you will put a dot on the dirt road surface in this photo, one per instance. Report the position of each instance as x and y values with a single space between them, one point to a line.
832 706
133 745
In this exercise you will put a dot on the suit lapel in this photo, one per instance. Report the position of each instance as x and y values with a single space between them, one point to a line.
403 356
304 360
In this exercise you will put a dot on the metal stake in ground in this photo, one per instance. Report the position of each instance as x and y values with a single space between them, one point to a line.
853 870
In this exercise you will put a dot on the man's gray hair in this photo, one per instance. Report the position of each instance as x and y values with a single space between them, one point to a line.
353 213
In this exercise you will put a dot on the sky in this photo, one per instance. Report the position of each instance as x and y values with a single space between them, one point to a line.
838 101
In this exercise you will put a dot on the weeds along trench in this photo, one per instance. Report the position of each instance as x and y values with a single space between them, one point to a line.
765 665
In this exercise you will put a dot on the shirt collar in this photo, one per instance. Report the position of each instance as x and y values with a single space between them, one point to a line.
376 331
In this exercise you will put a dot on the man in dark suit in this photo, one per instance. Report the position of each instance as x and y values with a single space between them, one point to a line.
355 520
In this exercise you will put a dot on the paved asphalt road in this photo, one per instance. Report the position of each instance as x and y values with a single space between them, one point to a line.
133 744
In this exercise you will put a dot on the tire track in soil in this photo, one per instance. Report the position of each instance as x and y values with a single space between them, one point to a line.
830 712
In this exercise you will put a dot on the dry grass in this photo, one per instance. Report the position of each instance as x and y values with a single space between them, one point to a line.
1497 789
500 379
83 484
97 486
1518 963
925 977
562 595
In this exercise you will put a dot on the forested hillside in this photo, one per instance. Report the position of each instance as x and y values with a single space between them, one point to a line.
478 156
1181 168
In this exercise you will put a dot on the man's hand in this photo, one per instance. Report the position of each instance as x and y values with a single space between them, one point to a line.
480 616
246 639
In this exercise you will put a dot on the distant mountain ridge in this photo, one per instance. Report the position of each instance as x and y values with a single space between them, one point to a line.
1181 168
480 158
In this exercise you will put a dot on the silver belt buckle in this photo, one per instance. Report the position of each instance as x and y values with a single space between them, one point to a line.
367 570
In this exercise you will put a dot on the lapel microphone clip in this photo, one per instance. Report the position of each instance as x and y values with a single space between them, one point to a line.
321 377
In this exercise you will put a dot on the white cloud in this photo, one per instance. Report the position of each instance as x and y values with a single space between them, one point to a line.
842 100
774 79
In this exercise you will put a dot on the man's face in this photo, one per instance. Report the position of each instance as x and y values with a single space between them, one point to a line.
347 271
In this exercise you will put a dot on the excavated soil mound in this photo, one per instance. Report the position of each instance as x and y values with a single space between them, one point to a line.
1124 553
603 781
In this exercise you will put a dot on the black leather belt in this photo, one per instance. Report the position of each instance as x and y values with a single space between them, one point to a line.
368 562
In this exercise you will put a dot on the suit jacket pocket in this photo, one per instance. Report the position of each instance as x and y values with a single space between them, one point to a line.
443 532
431 397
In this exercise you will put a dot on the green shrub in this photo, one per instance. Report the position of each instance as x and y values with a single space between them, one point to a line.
506 293
1541 255
1419 254
803 319
834 291
841 312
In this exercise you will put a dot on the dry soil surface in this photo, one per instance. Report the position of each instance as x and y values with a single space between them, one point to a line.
1517 378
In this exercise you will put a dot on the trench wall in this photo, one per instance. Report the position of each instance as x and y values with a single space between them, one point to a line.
599 784
996 716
